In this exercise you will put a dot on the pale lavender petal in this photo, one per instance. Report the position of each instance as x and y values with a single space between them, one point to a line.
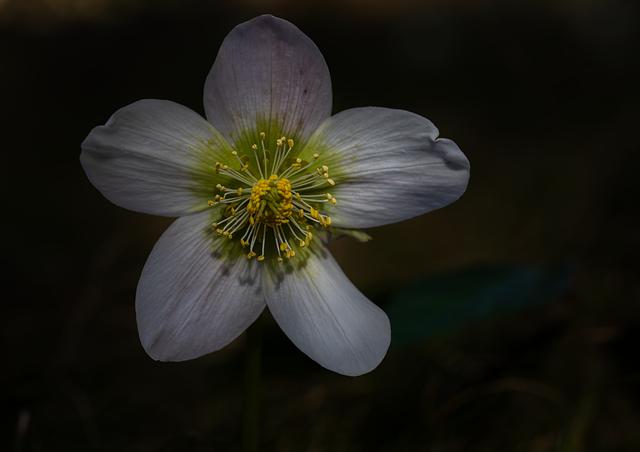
191 300
326 316
388 165
268 76
154 156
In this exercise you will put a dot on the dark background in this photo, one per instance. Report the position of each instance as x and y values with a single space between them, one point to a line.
515 310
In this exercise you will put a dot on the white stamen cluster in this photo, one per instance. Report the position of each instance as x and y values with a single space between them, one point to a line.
277 198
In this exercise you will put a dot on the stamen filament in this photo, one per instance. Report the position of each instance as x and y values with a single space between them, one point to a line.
263 201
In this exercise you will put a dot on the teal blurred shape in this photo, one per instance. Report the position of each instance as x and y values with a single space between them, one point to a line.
445 303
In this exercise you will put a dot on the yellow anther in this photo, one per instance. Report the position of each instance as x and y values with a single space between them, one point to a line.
270 201
220 166
270 210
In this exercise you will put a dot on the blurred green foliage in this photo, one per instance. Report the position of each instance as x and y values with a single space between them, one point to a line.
445 303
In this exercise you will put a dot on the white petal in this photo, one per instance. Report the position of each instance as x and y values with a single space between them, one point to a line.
326 316
390 165
268 76
190 301
152 156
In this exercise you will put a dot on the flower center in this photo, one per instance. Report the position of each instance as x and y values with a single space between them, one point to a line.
270 201
275 199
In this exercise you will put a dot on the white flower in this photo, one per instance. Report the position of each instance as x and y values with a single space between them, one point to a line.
258 186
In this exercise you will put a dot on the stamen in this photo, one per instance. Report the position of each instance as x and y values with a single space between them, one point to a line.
260 202
264 151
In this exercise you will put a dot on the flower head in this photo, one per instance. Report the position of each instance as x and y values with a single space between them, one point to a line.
258 186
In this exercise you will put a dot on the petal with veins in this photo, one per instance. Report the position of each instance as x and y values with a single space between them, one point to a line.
154 156
190 299
390 166
270 77
326 316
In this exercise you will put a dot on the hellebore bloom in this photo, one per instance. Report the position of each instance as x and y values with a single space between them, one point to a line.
258 187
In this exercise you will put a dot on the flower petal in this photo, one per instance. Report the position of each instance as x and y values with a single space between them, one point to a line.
190 301
268 76
326 316
388 165
154 156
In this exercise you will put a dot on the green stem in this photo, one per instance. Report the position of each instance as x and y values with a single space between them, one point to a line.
252 389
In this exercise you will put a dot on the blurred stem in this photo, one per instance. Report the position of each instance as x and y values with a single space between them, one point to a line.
252 388
574 439
575 436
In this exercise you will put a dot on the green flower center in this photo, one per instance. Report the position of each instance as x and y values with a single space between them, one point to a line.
276 200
